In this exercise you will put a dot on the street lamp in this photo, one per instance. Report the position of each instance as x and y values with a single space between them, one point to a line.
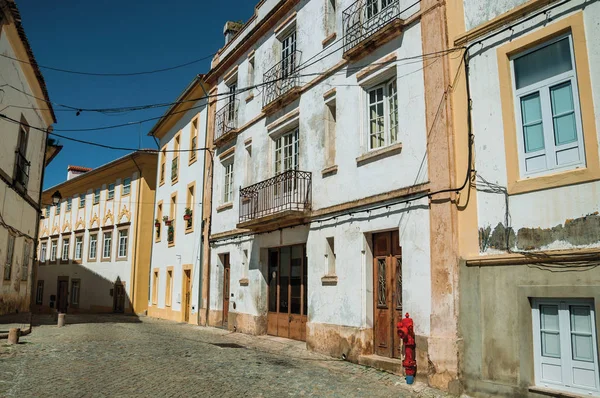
56 197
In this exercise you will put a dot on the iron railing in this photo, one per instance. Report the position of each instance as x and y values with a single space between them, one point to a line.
226 119
281 78
22 170
290 190
365 17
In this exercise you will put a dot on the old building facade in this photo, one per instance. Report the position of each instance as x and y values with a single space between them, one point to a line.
529 230
26 115
175 277
332 181
94 250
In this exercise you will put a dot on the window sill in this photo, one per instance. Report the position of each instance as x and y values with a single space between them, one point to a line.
329 171
192 161
554 180
555 393
244 282
121 258
372 156
171 244
161 183
106 259
224 207
173 182
189 230
250 97
327 41
329 280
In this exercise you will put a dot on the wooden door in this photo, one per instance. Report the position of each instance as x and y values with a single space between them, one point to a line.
226 269
187 295
62 296
387 293
287 303
119 298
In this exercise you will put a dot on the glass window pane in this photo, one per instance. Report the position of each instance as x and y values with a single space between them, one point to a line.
582 347
551 344
549 317
533 130
581 321
534 138
531 108
563 113
543 63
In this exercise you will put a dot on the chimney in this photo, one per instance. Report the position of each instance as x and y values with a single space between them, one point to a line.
231 28
74 171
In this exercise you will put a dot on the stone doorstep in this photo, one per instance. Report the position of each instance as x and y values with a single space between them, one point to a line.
388 364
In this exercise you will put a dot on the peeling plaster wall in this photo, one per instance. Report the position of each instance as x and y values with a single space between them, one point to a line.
187 247
545 209
478 12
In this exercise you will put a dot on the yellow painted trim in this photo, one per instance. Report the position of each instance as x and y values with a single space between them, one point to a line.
516 185
177 143
193 133
190 203
159 214
186 267
169 286
163 162
172 217
155 279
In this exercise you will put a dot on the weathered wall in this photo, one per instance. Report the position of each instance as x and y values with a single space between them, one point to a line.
495 321
478 12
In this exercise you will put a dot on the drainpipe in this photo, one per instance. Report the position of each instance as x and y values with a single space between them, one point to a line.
137 228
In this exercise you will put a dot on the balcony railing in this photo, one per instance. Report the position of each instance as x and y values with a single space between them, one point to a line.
226 119
281 78
288 191
364 18
22 170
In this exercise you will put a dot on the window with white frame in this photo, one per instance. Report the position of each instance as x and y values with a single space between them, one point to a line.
107 244
82 201
287 152
228 183
65 249
126 186
53 249
547 108
93 246
565 345
97 196
123 234
69 203
382 117
78 247
43 249
111 191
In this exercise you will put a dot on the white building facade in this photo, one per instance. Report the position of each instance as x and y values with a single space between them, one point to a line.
530 286
175 277
320 228
93 245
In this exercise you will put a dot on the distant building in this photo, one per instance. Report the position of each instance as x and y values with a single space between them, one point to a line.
175 270
25 115
94 250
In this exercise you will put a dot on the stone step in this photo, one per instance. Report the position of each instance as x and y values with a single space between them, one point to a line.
391 365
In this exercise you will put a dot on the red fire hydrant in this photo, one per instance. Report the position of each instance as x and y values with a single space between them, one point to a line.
407 334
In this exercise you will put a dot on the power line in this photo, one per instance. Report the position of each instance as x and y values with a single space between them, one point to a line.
112 74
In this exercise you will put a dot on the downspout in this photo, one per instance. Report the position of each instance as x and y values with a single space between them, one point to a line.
204 231
137 228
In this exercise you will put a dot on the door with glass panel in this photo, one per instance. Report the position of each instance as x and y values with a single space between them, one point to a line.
547 108
565 345
288 63
287 295
376 13
287 157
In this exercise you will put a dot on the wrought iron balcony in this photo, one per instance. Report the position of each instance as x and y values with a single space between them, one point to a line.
283 200
368 22
22 171
282 82
226 122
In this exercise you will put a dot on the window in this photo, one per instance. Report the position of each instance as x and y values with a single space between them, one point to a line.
163 160
189 208
75 288
123 233
169 288
65 249
175 161
159 219
172 216
69 203
287 152
22 165
231 104
81 201
288 56
330 16
78 247
111 191
43 249
251 71
154 287
106 246
9 256
57 209
330 255
331 116
53 249
228 185
93 246
548 115
97 196
26 261
39 293
383 114
126 186
193 140
48 211
566 354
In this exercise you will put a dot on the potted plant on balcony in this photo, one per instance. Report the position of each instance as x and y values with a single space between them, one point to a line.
170 233
188 214
167 221
156 223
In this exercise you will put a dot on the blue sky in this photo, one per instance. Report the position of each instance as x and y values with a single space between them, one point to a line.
113 36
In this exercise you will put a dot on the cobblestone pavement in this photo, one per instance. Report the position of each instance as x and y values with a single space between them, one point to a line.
121 356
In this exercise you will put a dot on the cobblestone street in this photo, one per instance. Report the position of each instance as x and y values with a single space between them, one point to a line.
124 356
